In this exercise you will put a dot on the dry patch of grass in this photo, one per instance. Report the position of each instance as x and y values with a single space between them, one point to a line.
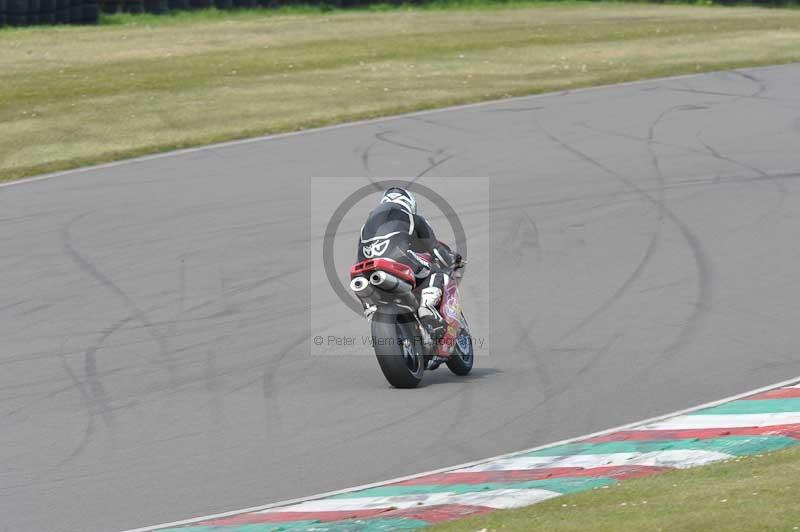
747 494
78 95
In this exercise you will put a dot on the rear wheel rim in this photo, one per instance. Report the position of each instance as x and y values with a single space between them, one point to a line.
412 359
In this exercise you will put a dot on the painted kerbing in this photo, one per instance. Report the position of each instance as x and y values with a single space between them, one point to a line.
766 420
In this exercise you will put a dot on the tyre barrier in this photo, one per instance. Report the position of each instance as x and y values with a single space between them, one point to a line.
48 12
32 12
111 6
17 12
156 7
62 11
75 11
91 12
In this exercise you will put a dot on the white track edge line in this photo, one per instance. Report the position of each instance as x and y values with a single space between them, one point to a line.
277 136
627 426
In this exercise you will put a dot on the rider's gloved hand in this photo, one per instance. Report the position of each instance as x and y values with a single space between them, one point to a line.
458 261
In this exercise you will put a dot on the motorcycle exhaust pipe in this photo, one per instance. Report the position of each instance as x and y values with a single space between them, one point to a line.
361 287
388 282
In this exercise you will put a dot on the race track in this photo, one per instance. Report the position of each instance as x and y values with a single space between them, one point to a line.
154 338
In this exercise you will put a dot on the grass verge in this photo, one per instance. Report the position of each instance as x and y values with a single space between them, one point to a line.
747 494
79 95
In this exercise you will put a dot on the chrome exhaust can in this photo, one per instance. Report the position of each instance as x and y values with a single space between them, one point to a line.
389 283
361 287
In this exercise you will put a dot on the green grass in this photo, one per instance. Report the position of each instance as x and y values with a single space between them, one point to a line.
136 85
747 494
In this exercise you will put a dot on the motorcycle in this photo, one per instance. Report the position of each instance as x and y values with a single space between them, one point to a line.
404 347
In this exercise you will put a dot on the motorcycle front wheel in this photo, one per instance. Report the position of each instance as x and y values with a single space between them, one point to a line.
460 362
399 350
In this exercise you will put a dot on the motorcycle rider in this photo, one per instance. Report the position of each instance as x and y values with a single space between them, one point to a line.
394 230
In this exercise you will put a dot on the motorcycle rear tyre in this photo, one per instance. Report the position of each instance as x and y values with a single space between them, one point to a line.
393 339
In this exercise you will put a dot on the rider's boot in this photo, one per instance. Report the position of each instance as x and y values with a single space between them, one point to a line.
432 320
429 313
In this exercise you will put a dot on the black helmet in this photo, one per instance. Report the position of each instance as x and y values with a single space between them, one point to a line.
401 197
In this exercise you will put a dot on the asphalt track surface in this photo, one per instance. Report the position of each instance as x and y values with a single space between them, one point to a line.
154 332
